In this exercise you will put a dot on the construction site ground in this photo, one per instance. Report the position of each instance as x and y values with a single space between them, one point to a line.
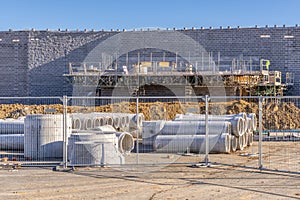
229 176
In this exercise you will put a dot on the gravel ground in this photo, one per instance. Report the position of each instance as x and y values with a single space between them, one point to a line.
229 180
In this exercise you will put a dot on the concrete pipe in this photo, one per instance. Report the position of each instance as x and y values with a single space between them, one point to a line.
87 123
245 139
137 134
130 119
93 148
238 126
136 121
193 117
11 126
192 143
236 121
234 143
93 135
253 118
250 139
116 122
12 142
22 118
249 125
126 142
240 144
76 123
122 122
195 127
127 121
98 121
109 120
150 130
43 135
105 129
243 115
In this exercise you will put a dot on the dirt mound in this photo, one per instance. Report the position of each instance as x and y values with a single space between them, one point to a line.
276 115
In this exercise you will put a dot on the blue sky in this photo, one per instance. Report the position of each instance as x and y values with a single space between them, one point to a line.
129 14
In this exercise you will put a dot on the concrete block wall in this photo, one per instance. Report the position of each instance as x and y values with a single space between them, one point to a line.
13 63
32 63
49 56
281 45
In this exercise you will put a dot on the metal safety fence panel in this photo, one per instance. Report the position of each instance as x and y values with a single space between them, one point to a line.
281 133
31 130
258 132
120 131
104 131
239 141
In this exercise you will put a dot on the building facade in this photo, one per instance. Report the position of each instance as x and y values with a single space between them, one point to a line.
32 63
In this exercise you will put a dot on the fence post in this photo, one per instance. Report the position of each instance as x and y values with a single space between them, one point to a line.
260 132
65 132
206 160
137 132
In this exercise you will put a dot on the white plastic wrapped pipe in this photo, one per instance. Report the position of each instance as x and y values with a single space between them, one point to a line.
12 142
125 143
238 125
192 143
11 126
234 141
195 127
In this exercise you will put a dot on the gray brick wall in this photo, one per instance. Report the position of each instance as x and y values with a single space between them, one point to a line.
13 63
32 63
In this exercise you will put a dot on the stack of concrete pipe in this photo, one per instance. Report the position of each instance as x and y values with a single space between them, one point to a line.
12 134
120 121
242 126
227 133
189 136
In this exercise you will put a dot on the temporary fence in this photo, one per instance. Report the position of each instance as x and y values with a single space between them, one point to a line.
127 132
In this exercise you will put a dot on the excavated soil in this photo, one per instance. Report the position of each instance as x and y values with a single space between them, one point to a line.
276 115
